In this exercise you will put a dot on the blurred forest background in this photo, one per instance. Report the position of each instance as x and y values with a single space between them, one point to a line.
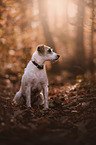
68 26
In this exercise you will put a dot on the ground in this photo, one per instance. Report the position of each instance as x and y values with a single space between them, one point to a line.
70 119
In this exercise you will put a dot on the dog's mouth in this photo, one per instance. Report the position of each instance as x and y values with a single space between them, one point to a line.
55 60
57 57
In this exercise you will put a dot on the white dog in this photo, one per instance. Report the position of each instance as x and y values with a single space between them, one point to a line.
34 79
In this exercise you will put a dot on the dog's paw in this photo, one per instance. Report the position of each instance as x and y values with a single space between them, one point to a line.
29 106
46 109
14 102
46 106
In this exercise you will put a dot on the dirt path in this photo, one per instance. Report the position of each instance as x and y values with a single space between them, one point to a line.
71 118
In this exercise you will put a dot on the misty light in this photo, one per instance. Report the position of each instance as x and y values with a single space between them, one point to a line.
72 9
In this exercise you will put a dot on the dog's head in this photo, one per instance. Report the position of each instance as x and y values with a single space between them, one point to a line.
47 53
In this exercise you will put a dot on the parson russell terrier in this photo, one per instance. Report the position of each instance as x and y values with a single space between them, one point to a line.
34 79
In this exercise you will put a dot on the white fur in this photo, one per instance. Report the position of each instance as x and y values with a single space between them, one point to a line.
34 79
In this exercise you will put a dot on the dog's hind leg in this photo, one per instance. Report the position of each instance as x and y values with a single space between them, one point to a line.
17 97
39 99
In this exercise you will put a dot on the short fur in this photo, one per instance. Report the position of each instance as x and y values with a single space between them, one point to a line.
34 80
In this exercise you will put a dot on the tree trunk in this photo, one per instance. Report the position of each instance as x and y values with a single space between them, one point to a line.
80 52
48 36
91 63
44 20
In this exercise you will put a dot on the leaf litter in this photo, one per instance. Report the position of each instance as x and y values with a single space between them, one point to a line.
70 119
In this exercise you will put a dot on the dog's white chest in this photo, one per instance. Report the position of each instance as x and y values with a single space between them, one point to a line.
35 77
39 80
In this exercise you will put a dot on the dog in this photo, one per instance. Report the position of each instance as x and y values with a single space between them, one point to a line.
34 79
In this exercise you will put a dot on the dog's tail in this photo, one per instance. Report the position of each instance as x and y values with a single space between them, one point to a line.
17 97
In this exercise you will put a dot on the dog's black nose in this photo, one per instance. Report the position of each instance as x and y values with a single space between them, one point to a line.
58 56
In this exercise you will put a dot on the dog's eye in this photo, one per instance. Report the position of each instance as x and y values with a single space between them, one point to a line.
49 50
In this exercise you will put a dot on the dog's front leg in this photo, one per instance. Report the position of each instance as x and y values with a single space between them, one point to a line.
28 96
45 93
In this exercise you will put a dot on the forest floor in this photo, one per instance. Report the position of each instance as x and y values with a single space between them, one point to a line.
70 119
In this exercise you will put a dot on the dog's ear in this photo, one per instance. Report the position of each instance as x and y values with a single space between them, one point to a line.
40 49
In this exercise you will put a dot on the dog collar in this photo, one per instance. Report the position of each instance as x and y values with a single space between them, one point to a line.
38 66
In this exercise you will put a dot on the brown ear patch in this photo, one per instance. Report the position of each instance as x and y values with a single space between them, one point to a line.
40 49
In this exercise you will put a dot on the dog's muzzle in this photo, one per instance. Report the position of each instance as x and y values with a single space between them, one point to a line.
57 57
